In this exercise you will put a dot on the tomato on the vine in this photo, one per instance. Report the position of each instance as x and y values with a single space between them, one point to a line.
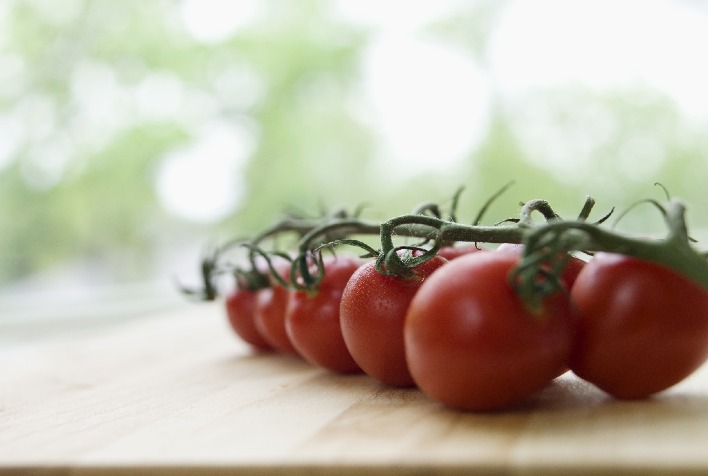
372 310
642 327
451 252
473 344
269 316
312 318
571 270
240 310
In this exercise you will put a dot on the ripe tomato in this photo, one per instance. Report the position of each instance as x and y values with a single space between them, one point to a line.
642 327
269 315
372 312
312 319
452 252
240 310
472 344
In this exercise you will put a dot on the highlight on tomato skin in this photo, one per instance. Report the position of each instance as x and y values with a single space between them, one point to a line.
312 318
472 344
642 328
372 313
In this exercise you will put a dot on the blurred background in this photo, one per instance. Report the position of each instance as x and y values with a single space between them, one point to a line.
133 133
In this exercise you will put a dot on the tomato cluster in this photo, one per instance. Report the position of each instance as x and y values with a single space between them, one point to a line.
482 329
458 330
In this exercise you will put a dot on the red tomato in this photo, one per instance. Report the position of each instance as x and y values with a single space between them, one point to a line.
472 344
372 312
452 252
312 319
240 310
270 310
642 327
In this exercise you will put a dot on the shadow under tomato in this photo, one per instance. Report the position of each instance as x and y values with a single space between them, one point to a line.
572 410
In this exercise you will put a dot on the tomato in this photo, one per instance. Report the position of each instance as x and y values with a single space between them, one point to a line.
269 316
312 319
452 252
642 327
372 312
240 310
472 344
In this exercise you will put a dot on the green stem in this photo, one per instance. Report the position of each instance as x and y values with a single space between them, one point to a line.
331 231
674 252
336 229
442 231
254 278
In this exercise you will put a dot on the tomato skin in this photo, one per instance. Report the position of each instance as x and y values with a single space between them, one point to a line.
312 320
642 327
510 248
452 252
372 312
269 316
472 344
240 311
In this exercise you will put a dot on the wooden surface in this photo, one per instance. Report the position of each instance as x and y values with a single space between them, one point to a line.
175 393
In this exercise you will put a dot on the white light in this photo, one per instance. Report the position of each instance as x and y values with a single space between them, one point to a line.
12 137
60 13
160 96
202 182
431 102
395 14
213 21
38 112
239 86
13 72
604 43
46 163
101 105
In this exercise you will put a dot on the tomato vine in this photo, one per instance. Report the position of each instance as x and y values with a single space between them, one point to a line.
536 290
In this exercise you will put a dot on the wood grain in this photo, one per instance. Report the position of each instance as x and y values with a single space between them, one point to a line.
176 393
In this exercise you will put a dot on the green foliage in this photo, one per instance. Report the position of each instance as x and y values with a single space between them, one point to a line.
81 182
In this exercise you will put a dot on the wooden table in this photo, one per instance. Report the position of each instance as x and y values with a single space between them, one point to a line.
176 393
